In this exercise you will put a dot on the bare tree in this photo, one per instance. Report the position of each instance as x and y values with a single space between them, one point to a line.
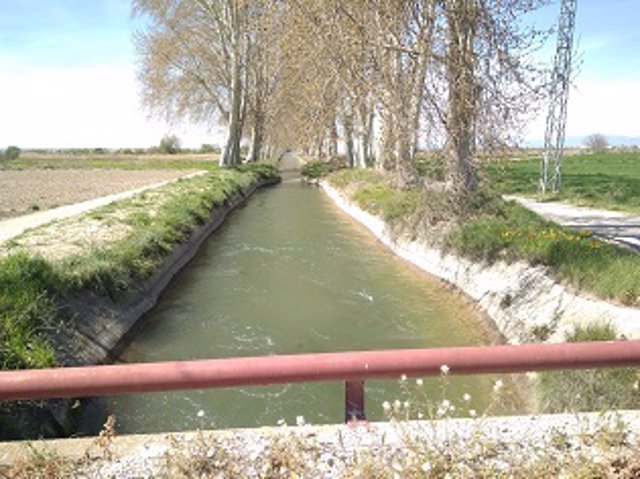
195 62
597 143
371 74
483 81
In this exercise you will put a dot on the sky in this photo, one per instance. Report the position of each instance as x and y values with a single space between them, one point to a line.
68 76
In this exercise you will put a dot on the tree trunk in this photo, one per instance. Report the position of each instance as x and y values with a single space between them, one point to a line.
385 154
348 139
231 154
462 107
333 140
365 135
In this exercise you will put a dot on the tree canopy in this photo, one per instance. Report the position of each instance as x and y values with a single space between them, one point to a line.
380 77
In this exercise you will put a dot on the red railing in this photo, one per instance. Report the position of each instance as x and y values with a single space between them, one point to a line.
352 367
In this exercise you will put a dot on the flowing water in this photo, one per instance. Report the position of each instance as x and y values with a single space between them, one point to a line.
289 273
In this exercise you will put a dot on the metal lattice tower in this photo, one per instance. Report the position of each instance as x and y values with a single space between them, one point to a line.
550 174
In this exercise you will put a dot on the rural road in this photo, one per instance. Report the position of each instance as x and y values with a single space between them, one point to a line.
13 227
620 228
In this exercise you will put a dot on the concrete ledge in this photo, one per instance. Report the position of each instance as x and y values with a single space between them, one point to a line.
329 451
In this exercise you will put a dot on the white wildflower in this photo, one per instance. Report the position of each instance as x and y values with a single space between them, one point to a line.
300 421
444 369
497 386
200 413
467 397
386 406
420 382
403 378
472 413
426 467
282 422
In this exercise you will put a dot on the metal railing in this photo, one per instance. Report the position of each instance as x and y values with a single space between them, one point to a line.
352 367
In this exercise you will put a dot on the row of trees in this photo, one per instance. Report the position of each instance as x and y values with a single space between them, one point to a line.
378 76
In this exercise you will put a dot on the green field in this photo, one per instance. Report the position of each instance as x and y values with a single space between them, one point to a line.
610 180
115 161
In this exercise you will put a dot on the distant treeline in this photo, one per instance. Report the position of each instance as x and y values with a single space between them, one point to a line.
205 148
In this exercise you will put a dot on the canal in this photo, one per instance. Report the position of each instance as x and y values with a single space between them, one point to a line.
289 273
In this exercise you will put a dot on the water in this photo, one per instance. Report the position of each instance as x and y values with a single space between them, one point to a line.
289 273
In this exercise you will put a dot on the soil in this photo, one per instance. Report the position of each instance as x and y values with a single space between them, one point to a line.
26 191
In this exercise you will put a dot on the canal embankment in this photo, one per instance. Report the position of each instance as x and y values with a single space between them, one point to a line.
526 302
74 291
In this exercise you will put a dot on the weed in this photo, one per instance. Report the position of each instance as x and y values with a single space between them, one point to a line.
27 311
592 389
42 464
318 168
199 458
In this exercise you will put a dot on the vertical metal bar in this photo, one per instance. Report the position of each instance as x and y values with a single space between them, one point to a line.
354 401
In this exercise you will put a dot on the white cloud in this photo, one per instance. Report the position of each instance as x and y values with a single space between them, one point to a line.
606 107
53 107
596 106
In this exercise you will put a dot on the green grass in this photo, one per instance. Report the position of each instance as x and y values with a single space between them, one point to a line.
509 231
27 309
486 228
377 196
592 389
119 162
32 290
610 180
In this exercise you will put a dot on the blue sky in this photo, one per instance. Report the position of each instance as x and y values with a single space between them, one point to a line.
67 78
67 75
66 33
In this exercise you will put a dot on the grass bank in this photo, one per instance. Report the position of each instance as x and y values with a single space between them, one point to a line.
34 285
483 227
608 180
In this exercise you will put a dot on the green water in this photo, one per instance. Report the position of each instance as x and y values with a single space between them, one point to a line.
289 273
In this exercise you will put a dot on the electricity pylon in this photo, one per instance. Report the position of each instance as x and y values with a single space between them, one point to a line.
551 174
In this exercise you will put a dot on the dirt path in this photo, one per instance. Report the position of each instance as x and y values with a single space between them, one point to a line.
620 228
13 227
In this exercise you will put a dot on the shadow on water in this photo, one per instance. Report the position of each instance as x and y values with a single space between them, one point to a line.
288 273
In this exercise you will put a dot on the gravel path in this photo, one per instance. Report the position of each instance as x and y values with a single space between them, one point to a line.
12 227
620 228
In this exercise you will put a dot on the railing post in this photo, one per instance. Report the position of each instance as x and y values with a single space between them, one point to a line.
354 401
